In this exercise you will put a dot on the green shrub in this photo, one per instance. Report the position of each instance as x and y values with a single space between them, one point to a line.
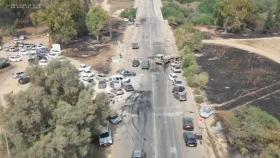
199 99
185 1
189 60
251 125
129 13
198 80
203 19
191 70
206 6
174 13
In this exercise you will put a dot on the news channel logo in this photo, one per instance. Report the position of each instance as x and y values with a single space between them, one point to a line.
25 6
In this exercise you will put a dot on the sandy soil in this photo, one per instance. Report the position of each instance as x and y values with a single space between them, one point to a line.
267 47
105 6
117 5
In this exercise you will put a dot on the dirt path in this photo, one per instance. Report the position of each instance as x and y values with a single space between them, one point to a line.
106 6
267 47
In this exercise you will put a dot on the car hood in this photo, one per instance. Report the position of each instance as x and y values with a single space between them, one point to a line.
105 140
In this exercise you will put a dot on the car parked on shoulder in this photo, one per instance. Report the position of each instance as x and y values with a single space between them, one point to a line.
138 153
87 73
18 74
178 89
190 139
4 63
205 111
105 138
121 78
178 82
127 73
135 63
117 91
15 58
172 77
176 69
21 37
128 88
115 119
84 67
24 80
181 96
188 123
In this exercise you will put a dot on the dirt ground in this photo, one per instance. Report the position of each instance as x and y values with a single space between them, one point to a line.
237 77
267 47
116 5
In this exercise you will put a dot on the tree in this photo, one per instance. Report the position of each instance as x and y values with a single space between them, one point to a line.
65 20
235 15
96 19
55 117
269 22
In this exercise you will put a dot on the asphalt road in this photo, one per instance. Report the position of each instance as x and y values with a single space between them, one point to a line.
153 120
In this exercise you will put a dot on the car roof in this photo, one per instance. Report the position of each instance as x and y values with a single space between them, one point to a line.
189 134
137 153
187 118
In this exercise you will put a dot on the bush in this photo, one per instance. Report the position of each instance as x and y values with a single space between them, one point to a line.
199 99
185 1
174 13
203 19
129 13
189 60
191 70
251 125
198 80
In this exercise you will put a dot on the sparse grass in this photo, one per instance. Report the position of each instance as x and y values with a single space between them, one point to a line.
129 13
199 99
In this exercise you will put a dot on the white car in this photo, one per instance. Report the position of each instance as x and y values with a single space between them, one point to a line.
18 74
15 58
21 38
22 51
54 56
87 74
16 39
54 51
172 77
43 62
206 111
176 69
105 138
84 67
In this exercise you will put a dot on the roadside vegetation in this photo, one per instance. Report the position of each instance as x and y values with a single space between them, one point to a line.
253 132
174 13
65 20
129 13
234 16
55 117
